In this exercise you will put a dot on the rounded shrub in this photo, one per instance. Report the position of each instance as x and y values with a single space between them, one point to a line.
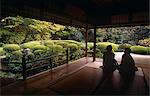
39 47
48 43
31 44
17 54
56 48
123 46
81 46
39 53
72 42
63 44
102 46
2 52
72 47
139 49
148 48
11 47
90 45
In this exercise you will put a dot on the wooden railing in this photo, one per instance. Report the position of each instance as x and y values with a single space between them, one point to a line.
29 68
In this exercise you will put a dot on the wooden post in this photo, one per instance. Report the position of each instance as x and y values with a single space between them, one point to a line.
24 67
50 63
86 40
67 56
94 50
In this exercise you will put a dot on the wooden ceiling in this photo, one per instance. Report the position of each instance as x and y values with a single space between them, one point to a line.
80 13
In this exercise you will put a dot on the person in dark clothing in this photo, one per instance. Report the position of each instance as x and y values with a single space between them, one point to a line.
109 63
127 65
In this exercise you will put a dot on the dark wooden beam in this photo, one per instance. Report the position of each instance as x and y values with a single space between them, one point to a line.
94 50
86 40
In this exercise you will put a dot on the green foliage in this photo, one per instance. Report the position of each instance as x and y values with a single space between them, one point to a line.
148 48
56 48
11 47
123 46
90 45
39 47
145 42
63 44
17 54
102 46
73 47
39 53
139 50
48 43
2 52
30 44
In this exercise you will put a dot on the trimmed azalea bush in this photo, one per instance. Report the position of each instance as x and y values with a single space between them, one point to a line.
72 47
2 52
123 46
63 44
48 43
102 46
90 45
139 49
145 42
148 48
39 47
39 53
11 47
56 48
31 44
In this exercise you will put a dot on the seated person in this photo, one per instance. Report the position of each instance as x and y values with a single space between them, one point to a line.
109 63
127 65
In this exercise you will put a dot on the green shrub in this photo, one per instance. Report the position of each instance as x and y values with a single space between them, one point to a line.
17 54
145 42
11 47
72 47
56 48
39 47
148 48
102 46
2 52
82 46
31 44
48 43
123 46
139 49
63 44
39 54
90 45
72 42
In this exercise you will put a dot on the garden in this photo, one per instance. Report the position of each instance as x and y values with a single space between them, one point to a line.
40 45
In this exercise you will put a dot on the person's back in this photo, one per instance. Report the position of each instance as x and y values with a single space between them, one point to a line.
108 59
127 63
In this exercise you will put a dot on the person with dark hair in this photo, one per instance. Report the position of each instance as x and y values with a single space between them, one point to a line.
109 63
127 65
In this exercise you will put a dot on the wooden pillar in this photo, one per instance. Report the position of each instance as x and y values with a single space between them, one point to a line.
94 50
86 40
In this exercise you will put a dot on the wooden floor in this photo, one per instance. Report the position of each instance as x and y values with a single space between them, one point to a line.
81 77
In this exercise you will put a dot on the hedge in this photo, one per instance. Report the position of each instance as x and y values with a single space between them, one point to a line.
39 47
48 43
2 52
123 46
31 44
72 47
63 44
102 46
90 45
139 49
11 47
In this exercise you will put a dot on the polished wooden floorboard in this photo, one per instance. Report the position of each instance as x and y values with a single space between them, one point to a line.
79 77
